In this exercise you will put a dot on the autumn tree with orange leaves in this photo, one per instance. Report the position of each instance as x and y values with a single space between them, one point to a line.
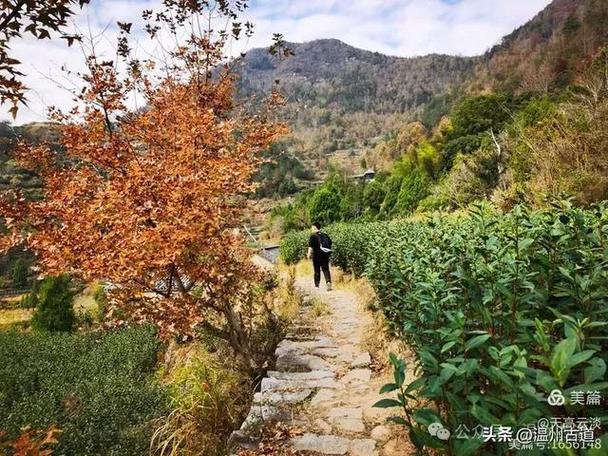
150 200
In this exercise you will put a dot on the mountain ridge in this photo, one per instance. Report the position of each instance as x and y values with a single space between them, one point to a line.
372 74
341 100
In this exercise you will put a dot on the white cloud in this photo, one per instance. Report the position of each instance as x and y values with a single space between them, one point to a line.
396 27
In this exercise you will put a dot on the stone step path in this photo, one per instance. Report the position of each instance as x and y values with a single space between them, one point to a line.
323 384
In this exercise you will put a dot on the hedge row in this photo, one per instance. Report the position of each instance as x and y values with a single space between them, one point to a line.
99 389
499 310
353 244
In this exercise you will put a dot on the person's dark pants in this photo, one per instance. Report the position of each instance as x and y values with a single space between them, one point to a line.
321 264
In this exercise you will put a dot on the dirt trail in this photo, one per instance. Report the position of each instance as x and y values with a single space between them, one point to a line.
324 384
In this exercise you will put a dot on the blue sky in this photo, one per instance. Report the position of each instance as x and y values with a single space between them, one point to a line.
396 27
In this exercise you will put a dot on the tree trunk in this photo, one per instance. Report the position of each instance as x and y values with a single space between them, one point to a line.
240 343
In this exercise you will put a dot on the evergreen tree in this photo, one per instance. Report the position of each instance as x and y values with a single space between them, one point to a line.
55 310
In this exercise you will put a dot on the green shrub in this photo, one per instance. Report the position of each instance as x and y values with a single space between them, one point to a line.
492 305
373 196
473 177
436 201
499 310
414 187
101 299
392 186
294 246
19 273
98 388
325 206
54 305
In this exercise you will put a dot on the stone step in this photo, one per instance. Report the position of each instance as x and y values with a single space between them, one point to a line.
302 376
323 396
279 398
333 444
273 384
357 376
307 343
294 362
362 360
347 419
324 352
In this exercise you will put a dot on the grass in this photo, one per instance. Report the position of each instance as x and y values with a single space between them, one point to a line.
302 268
319 308
289 300
86 308
359 286
85 302
208 400
14 317
11 301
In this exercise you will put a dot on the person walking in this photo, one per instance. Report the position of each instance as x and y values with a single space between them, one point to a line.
319 249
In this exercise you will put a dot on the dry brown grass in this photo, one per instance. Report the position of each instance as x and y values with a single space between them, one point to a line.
208 400
379 343
304 268
12 317
288 299
318 308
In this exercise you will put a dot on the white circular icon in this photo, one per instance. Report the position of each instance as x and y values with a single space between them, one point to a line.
434 428
437 430
556 398
443 434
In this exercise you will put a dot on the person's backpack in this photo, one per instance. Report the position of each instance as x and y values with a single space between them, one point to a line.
325 243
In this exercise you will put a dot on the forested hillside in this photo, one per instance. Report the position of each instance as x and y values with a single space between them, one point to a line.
341 100
502 147
10 174
329 74
548 52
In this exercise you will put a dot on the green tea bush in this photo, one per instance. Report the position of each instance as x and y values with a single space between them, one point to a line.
350 248
293 246
54 304
98 388
499 309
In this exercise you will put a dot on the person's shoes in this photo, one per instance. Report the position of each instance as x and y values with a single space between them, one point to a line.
328 286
